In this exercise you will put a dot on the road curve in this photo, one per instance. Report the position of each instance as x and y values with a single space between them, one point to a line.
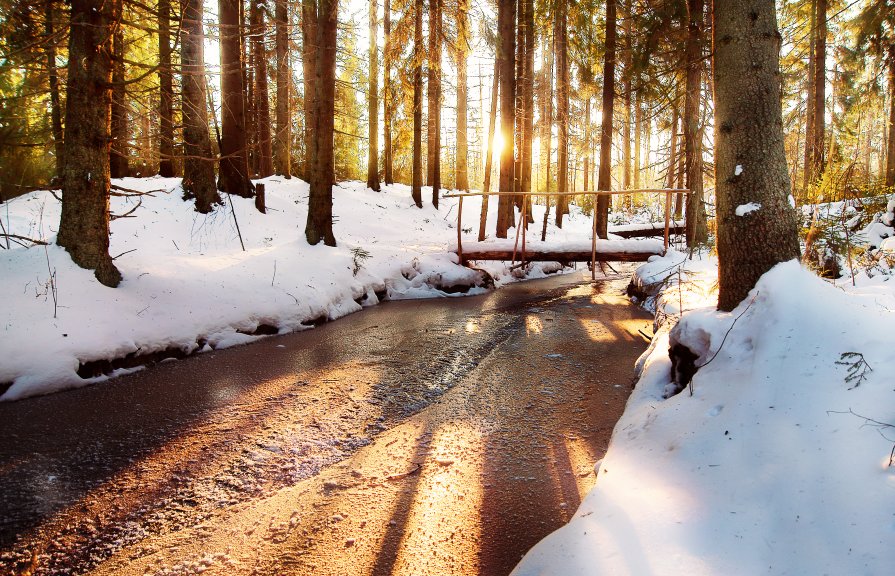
424 437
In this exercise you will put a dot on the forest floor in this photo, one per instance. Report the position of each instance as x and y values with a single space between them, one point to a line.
424 437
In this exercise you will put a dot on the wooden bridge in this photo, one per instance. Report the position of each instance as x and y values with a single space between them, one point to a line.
593 250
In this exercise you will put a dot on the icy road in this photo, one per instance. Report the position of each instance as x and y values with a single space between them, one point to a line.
420 437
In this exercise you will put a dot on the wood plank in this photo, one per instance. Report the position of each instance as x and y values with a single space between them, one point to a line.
558 256
647 232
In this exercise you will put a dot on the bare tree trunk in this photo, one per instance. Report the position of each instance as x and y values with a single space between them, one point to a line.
820 89
547 117
433 142
605 177
198 164
373 103
308 62
118 164
890 154
261 96
283 141
586 141
810 124
672 162
749 149
528 101
234 166
388 155
53 75
166 92
638 140
560 39
320 196
489 149
697 230
462 50
626 91
506 52
84 224
418 50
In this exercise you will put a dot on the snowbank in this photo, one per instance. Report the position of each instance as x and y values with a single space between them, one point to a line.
776 464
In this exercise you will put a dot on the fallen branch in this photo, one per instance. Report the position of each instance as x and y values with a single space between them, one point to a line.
130 191
33 241
880 426
128 213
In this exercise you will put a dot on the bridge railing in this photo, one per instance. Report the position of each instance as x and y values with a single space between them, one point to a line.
523 214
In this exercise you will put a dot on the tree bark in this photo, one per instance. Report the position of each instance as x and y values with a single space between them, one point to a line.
166 92
506 52
560 39
234 166
416 189
462 50
373 104
697 230
820 89
528 100
319 225
198 163
308 63
118 162
489 149
808 167
890 154
749 148
605 176
84 224
433 142
261 96
283 142
53 76
388 155
638 138
626 91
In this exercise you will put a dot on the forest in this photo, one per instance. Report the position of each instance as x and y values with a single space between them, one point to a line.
576 96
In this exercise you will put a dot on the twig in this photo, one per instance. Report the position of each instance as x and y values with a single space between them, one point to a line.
123 253
880 426
23 238
131 191
274 272
235 221
128 213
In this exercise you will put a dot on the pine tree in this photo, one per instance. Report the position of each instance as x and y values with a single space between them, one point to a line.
283 142
605 175
234 165
373 104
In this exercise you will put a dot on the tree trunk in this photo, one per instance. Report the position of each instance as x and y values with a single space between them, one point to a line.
284 80
320 197
373 104
890 154
308 63
697 230
53 75
672 162
506 52
166 92
547 118
605 176
820 89
118 164
626 91
417 184
433 142
638 140
489 149
462 50
198 163
84 224
560 39
234 166
528 100
808 168
388 159
261 96
749 149
586 141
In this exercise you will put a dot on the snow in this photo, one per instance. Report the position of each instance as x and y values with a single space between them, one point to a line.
746 209
774 464
189 287
738 170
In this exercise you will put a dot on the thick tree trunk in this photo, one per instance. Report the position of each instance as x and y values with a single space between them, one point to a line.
198 163
166 92
638 139
416 189
118 163
308 63
605 177
749 149
283 152
820 89
320 197
462 50
628 59
433 142
560 34
53 76
261 97
547 118
890 154
373 103
387 105
697 230
506 52
528 100
84 225
489 149
234 166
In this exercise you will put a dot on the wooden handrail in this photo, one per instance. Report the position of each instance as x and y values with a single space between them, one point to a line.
523 213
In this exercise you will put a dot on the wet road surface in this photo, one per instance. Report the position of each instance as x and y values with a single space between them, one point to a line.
424 437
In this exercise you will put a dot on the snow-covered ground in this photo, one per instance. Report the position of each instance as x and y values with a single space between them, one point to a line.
189 286
775 460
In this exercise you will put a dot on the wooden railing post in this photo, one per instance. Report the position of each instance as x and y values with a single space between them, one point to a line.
460 229
667 217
